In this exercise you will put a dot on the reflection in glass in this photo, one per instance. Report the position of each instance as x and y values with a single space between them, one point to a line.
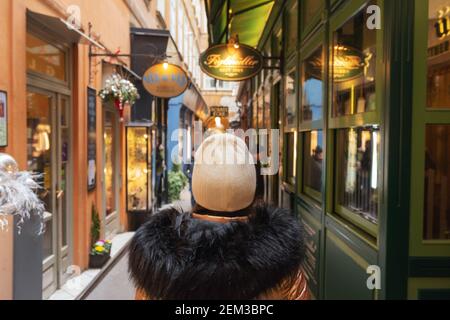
291 157
109 169
39 143
44 58
438 61
313 163
137 169
39 140
353 67
358 153
291 105
437 191
312 98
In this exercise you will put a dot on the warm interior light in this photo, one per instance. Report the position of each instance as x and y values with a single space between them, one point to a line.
236 45
165 65
218 122
374 176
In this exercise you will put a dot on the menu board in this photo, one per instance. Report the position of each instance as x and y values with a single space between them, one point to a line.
91 143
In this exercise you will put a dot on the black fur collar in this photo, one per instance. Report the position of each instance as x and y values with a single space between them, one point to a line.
174 256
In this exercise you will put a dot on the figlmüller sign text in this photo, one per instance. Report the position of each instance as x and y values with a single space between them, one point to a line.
231 63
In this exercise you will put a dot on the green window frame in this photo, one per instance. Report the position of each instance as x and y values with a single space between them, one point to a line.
288 130
422 117
355 120
308 126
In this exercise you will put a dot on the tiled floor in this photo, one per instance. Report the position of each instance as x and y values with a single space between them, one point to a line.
77 284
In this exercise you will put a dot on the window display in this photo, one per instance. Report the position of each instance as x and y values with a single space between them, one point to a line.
39 157
313 163
353 67
110 163
312 98
358 152
138 169
291 157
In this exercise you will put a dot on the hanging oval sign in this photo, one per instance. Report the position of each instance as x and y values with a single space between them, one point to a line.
165 80
229 63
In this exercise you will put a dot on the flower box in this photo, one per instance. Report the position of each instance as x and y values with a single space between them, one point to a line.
100 254
97 261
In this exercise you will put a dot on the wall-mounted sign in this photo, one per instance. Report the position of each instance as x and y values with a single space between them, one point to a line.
92 137
3 119
165 80
218 112
231 63
348 63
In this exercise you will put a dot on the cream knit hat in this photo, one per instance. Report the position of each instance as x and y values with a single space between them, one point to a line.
224 177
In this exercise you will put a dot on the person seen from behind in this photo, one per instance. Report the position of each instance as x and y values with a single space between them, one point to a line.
228 247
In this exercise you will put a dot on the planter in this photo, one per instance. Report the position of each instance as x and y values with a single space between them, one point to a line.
137 219
97 261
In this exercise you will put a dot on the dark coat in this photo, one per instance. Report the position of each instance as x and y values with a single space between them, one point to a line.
174 256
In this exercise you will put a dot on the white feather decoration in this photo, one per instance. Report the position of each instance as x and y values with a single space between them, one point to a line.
18 198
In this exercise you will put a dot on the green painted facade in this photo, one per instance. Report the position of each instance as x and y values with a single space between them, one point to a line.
341 245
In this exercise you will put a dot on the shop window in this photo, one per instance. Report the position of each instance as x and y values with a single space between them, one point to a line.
45 58
313 164
110 163
39 158
438 61
437 187
353 67
312 97
291 157
357 169
311 9
138 170
290 120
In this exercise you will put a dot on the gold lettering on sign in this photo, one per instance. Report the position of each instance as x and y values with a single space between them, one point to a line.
216 61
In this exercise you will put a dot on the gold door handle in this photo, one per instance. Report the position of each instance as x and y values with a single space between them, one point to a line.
59 194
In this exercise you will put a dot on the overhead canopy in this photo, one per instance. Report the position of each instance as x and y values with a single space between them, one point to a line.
61 28
246 18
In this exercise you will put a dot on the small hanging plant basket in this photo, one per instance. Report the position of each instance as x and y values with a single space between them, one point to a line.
120 92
